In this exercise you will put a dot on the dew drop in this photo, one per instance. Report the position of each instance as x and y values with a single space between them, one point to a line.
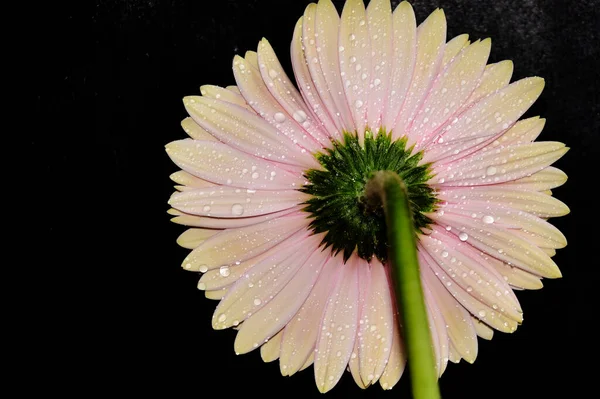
481 313
255 175
257 301
491 170
358 104
273 73
299 116
201 286
237 210
444 254
224 271
487 219
203 268
206 208
279 117
377 82
463 236
222 318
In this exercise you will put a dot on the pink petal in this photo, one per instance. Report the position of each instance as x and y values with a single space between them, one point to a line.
231 202
501 244
220 163
307 88
227 223
238 245
257 287
403 57
355 60
431 40
379 19
276 313
484 120
499 166
286 94
450 91
338 328
300 334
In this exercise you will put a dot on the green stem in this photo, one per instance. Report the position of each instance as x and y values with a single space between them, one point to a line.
388 189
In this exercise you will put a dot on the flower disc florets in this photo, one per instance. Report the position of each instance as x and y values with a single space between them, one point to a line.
339 204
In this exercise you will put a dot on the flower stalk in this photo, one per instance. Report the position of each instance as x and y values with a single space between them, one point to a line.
386 188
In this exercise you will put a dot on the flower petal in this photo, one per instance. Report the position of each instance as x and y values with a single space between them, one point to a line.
437 329
376 326
404 45
221 94
505 196
195 131
231 202
431 41
355 60
284 128
545 179
216 295
499 166
300 334
256 288
226 223
222 164
495 77
245 131
517 278
338 328
325 42
269 352
477 308
317 76
192 238
187 179
482 329
450 91
484 120
251 57
462 334
535 230
397 360
275 314
238 245
501 244
466 268
286 94
454 47
379 19
309 91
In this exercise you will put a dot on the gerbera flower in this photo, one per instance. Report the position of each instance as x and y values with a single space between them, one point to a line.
273 187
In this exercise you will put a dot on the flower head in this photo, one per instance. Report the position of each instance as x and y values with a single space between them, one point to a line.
273 189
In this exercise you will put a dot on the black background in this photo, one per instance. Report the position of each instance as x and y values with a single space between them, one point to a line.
108 98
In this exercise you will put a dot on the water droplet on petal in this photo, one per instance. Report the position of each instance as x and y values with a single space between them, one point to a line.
358 104
237 210
206 208
463 236
482 313
255 175
279 117
491 170
257 302
487 219
272 73
203 268
222 318
224 271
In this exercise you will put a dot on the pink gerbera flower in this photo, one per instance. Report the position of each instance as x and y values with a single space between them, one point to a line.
273 189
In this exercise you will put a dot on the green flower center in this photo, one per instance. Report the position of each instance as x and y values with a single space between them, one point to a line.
339 205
